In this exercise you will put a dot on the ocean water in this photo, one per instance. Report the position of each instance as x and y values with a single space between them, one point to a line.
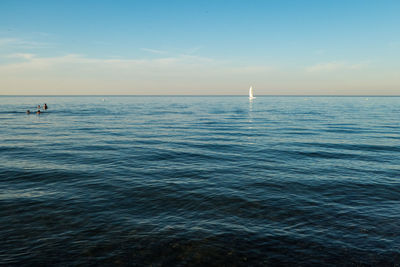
192 181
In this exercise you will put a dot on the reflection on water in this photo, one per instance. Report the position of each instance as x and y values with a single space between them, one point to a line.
250 110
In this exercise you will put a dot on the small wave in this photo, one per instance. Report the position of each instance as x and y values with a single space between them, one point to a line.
200 181
355 147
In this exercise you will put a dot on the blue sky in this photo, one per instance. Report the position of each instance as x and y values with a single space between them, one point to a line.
199 47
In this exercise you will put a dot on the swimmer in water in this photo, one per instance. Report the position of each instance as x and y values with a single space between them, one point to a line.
38 106
38 112
28 112
45 106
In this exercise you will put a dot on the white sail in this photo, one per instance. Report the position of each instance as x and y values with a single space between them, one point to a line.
251 96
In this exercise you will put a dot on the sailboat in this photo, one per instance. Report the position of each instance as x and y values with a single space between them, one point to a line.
251 96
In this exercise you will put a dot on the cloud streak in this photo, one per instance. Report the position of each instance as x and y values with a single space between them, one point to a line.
154 51
26 56
22 43
335 66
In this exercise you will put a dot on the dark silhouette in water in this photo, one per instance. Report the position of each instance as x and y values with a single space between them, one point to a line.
45 107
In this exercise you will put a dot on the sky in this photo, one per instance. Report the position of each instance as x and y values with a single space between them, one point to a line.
280 47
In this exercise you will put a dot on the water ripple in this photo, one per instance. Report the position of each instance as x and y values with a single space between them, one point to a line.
200 180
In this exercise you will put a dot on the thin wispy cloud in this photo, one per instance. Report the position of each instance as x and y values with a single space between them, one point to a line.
7 41
102 43
22 43
21 56
335 66
259 69
154 51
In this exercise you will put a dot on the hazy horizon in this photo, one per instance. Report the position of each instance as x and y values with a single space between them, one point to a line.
189 95
199 48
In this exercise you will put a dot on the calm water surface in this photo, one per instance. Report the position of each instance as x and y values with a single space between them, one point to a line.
200 180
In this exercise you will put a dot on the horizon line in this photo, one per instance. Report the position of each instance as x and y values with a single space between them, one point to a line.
219 95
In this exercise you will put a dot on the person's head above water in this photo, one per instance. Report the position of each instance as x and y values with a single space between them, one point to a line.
45 106
28 111
38 112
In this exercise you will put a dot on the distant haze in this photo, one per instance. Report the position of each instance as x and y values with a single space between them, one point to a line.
200 47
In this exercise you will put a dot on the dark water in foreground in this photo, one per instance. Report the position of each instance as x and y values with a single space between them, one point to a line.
200 180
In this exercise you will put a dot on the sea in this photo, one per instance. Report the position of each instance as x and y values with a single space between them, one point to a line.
200 181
